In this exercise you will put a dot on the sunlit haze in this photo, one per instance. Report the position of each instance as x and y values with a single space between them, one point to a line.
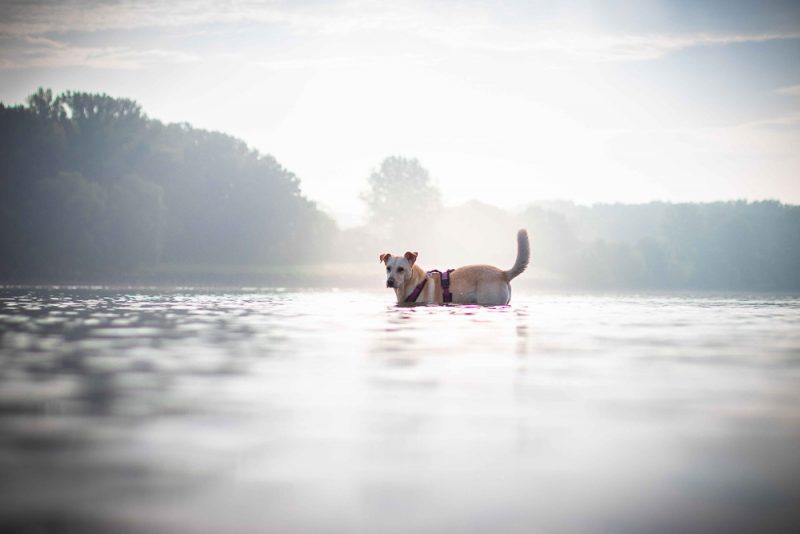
399 267
513 104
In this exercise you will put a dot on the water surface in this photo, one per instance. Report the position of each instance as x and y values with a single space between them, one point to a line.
339 412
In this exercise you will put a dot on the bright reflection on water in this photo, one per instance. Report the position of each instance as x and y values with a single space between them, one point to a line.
337 412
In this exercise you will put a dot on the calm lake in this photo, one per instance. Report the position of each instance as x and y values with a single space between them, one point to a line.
336 411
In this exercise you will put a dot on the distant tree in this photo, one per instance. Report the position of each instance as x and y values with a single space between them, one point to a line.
401 193
89 106
42 103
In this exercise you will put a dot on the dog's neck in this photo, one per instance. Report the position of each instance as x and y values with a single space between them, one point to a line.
403 291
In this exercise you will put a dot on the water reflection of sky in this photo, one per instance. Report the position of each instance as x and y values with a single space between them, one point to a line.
335 411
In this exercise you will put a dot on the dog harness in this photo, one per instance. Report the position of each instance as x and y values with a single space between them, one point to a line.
447 297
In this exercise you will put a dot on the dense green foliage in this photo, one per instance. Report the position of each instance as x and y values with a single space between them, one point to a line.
89 186
720 245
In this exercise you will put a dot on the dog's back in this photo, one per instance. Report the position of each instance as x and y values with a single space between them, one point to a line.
479 284
486 284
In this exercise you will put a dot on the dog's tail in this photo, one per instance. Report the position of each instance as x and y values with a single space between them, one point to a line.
523 256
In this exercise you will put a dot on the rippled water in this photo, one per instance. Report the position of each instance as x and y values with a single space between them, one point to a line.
338 412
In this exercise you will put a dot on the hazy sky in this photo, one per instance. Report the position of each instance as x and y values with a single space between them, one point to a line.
513 103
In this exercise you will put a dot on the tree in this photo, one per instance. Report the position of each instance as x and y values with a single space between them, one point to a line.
401 193
41 103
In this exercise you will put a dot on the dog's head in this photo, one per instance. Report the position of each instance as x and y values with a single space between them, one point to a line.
398 268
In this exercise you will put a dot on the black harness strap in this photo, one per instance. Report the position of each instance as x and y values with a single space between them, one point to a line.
444 277
417 290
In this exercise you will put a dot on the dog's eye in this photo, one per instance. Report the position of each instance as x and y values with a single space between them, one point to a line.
399 269
388 269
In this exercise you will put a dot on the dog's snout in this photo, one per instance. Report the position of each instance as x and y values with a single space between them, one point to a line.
390 282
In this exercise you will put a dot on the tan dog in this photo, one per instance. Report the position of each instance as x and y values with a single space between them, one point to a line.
473 284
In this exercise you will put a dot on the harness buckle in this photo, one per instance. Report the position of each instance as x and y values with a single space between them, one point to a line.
446 280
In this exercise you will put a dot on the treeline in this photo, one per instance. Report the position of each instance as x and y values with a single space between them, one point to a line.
92 189
752 246
720 245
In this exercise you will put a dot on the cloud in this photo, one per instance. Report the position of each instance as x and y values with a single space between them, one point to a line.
643 47
55 16
792 90
434 30
789 120
44 52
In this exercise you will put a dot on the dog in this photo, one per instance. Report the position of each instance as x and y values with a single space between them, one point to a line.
473 284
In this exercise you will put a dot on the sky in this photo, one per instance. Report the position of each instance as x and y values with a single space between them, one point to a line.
508 103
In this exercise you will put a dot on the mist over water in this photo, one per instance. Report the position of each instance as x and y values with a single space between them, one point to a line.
335 411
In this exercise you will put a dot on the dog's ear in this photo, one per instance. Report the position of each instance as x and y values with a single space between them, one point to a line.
384 257
411 257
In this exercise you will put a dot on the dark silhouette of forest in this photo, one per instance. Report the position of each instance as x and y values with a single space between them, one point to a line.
719 245
94 191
